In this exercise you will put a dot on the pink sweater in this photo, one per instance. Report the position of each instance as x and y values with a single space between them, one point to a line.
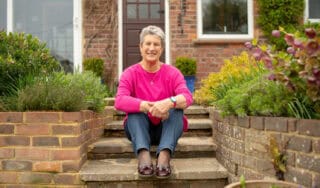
137 85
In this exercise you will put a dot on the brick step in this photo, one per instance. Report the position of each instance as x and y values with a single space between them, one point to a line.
197 127
122 172
193 112
116 147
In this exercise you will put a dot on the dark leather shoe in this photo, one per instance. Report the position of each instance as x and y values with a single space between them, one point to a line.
163 172
145 170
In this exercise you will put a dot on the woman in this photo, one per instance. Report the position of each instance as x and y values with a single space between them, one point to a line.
153 95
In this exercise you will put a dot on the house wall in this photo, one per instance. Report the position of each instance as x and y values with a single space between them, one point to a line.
46 148
244 147
101 37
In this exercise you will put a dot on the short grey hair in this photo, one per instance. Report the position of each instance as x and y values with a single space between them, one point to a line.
153 30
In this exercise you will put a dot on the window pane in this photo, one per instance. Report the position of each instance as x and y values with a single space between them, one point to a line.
3 14
155 1
225 17
143 11
155 11
314 9
132 11
51 21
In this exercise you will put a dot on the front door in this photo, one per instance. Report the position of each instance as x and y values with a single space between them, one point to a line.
136 15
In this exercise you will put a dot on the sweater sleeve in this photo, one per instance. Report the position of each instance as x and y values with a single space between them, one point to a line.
124 100
181 88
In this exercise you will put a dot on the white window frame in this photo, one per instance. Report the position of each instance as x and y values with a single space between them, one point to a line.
77 31
306 14
225 37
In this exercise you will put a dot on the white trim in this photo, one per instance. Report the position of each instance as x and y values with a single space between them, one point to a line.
167 28
120 35
77 35
9 16
226 37
120 38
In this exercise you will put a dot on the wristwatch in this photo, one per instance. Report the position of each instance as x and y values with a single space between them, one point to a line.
174 100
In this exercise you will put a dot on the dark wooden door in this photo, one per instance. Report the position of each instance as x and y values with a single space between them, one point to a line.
136 15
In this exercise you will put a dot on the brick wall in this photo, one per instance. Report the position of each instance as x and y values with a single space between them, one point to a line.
46 148
243 147
210 56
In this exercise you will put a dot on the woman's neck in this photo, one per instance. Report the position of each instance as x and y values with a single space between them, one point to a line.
151 66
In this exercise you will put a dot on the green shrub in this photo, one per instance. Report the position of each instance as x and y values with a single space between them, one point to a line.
21 55
187 66
258 97
285 13
59 92
235 71
95 65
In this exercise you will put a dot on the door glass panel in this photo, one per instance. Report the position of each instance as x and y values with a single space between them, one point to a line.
131 1
155 11
3 14
143 1
143 11
227 17
51 21
314 7
132 11
155 1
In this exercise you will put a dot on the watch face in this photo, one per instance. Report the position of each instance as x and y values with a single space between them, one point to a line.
173 99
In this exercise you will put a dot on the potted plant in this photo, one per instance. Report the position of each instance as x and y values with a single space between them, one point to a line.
188 67
94 65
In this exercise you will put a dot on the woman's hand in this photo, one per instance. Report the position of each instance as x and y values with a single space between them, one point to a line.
161 109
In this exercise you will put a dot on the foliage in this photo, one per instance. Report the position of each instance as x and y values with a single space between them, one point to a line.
187 66
279 158
22 55
298 68
285 13
234 72
257 97
95 65
58 92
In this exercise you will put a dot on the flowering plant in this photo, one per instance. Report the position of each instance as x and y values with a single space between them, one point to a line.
298 67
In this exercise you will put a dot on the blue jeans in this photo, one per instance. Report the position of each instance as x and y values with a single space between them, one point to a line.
143 134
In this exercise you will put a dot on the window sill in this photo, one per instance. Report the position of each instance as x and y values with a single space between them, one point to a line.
218 41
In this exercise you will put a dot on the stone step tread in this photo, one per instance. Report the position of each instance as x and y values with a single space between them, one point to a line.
123 145
123 169
193 109
204 123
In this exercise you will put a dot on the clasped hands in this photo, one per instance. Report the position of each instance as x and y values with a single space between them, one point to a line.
159 109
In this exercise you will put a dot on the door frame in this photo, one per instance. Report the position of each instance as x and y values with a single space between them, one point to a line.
120 35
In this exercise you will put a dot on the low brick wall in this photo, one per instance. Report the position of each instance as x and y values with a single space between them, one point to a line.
46 148
243 147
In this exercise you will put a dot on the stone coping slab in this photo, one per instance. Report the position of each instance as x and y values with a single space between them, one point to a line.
126 170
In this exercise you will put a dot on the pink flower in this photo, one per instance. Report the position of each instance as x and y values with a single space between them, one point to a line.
312 47
276 33
310 32
289 39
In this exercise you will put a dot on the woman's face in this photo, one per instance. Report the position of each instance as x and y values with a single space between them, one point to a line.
151 48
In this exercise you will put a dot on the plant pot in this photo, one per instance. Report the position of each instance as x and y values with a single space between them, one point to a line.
190 80
265 184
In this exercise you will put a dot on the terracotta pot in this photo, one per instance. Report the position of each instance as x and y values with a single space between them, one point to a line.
265 184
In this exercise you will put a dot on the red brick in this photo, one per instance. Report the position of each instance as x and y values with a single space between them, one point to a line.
278 124
12 117
14 141
12 165
66 179
65 129
33 129
47 166
32 153
316 146
71 166
45 141
71 154
42 117
35 178
8 177
71 141
6 129
309 127
6 153
71 117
